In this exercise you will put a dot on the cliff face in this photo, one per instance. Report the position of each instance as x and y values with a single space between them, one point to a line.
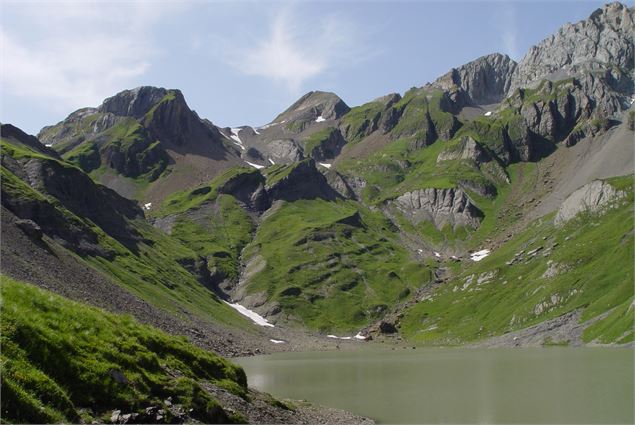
483 81
604 42
441 206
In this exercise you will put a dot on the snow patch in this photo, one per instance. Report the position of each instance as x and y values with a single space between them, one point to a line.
359 336
325 165
277 341
235 138
436 254
255 317
271 160
48 145
320 119
488 113
479 255
256 166
147 206
256 131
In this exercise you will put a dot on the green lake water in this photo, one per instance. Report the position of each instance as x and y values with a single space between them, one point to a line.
542 385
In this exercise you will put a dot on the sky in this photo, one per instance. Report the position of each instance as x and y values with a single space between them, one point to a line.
243 62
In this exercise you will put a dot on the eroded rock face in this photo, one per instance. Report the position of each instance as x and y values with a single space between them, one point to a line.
248 188
482 81
441 206
604 41
283 151
594 197
133 103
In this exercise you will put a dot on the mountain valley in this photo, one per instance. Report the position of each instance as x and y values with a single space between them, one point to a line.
492 207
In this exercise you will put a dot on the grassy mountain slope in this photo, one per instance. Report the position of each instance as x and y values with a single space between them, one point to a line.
541 273
62 361
152 265
330 266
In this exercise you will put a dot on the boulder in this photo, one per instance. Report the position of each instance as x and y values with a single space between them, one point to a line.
387 327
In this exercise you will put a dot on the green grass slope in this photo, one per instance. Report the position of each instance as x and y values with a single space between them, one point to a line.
332 266
541 273
157 268
65 362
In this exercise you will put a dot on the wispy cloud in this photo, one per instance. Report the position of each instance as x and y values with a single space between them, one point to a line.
76 53
290 54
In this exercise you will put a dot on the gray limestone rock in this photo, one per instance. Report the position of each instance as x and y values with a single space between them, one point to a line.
603 41
593 197
283 151
133 103
483 81
441 206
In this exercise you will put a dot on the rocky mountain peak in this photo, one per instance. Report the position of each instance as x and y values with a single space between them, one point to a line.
482 81
315 104
137 102
604 41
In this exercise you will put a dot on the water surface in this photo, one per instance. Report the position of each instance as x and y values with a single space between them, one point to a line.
543 385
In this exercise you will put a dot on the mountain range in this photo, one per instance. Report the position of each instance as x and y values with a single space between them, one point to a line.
492 206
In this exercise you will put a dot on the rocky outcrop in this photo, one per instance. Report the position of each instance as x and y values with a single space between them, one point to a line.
133 103
468 149
349 187
441 206
483 81
283 151
594 198
249 189
173 122
325 148
301 181
602 42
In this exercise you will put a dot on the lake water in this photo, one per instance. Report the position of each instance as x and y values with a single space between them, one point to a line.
542 385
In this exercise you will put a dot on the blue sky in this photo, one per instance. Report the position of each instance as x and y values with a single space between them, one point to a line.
243 62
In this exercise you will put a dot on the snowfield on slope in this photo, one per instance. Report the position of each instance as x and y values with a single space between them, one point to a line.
256 166
479 255
255 317
234 136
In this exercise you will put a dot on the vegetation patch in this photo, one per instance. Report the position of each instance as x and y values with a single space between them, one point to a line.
327 271
62 361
